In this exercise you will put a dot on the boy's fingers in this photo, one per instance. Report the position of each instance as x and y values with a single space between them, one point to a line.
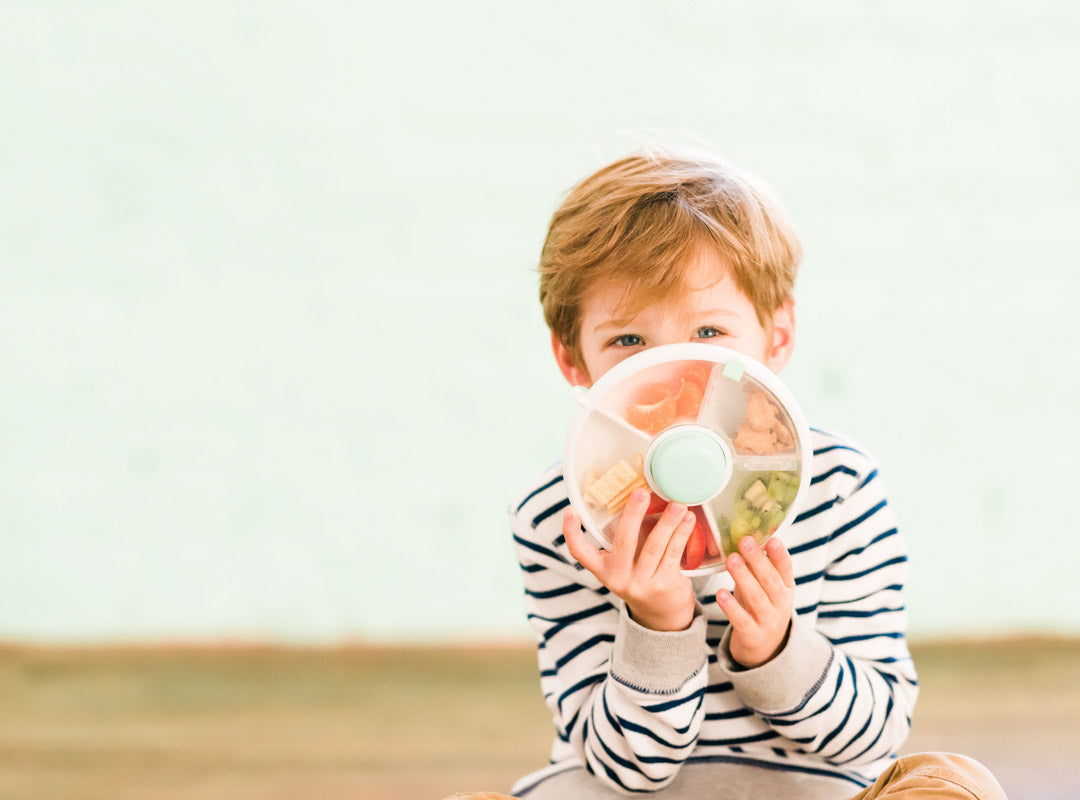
656 543
584 551
752 597
628 528
763 569
674 553
781 559
736 614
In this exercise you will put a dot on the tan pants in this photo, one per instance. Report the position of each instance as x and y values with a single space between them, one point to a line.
932 776
925 776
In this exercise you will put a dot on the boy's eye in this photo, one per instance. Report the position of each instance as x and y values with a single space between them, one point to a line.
628 340
708 332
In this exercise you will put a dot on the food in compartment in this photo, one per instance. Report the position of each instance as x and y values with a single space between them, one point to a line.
762 506
698 547
691 392
652 408
712 546
656 504
702 548
612 489
655 406
694 552
762 431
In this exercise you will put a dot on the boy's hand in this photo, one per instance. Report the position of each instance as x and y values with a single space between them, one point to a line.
644 574
760 610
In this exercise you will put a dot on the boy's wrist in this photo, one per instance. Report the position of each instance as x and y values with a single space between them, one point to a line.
753 660
669 622
658 661
785 680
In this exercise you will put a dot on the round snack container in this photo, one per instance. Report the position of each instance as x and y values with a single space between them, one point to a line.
696 424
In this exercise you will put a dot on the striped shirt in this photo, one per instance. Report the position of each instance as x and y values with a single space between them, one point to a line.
632 706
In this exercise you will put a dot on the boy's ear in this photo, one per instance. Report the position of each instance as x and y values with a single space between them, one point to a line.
783 337
574 375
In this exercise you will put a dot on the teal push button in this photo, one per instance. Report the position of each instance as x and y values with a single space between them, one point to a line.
688 464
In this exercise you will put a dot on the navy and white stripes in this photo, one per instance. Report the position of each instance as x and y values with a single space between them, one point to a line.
633 705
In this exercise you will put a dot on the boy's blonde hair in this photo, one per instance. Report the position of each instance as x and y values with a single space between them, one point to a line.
640 221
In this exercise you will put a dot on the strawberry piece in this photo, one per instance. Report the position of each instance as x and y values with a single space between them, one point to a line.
656 504
694 553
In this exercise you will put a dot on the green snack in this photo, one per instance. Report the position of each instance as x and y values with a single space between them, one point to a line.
783 486
774 518
758 496
724 527
762 506
739 528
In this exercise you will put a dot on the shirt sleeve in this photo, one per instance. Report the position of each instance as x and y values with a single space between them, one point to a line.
844 686
626 700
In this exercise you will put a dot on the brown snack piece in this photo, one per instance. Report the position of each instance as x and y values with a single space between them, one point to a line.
762 431
754 441
760 413
783 435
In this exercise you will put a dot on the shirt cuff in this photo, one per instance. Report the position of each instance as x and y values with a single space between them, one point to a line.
657 662
785 683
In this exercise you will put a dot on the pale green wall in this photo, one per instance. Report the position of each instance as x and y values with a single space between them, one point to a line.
273 363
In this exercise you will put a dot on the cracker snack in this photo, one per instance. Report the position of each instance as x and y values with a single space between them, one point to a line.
612 489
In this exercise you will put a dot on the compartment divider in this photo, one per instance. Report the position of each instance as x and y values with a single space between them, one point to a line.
780 463
645 438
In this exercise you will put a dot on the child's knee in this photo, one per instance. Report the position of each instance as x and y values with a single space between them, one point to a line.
961 770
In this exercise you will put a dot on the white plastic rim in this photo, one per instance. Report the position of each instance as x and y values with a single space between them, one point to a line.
591 399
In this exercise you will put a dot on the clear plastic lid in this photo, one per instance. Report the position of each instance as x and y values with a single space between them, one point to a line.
696 424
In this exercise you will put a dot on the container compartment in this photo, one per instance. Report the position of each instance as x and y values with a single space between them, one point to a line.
609 465
755 504
714 554
763 428
660 396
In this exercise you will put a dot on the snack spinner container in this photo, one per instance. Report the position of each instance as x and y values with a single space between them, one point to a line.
696 424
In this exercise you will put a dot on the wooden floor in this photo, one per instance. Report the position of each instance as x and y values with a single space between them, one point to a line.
421 723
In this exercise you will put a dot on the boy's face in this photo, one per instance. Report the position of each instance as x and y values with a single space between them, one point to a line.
717 313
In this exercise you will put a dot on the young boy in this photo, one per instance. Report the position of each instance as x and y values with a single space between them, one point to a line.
788 675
